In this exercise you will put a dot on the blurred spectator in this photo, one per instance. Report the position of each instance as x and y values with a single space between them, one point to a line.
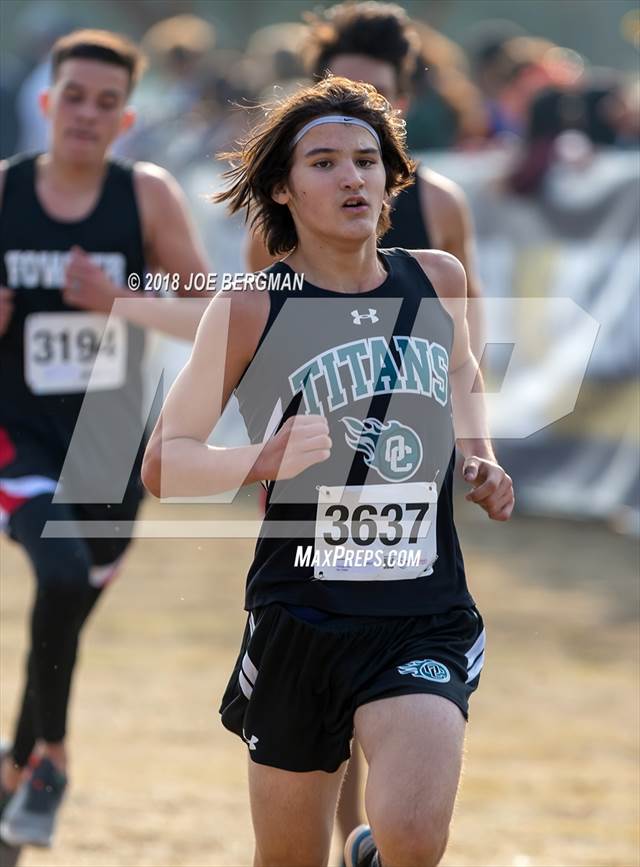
535 64
511 68
570 123
179 51
490 63
628 121
446 108
214 121
33 126
43 27
275 51
9 127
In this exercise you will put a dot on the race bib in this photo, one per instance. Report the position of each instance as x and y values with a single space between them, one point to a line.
74 352
376 532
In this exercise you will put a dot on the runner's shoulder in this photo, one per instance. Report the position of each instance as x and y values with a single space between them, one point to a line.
445 272
155 183
250 307
444 192
159 197
247 310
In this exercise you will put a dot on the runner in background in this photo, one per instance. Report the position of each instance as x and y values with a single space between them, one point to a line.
75 226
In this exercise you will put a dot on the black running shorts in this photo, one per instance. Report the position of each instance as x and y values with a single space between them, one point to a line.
31 460
296 685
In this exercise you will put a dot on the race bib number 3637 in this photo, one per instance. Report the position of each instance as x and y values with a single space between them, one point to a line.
376 532
74 352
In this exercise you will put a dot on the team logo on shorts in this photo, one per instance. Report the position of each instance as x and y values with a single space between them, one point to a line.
392 449
428 669
251 741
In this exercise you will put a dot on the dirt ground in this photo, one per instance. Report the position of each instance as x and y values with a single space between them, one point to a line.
551 774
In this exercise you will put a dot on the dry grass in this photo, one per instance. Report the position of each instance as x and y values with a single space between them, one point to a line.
552 768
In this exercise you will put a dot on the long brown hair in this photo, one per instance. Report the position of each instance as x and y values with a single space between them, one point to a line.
264 158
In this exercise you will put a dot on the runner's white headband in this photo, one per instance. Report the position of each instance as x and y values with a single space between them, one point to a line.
335 118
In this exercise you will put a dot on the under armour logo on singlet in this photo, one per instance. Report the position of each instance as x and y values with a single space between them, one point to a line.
358 318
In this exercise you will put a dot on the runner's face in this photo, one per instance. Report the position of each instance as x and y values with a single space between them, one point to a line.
336 185
379 73
87 108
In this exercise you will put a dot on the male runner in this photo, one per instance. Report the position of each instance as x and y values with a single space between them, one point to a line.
375 43
359 614
74 224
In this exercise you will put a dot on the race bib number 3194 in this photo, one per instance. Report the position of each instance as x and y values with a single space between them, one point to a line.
376 532
74 352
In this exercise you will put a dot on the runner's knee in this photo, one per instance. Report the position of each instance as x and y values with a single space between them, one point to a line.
410 839
62 567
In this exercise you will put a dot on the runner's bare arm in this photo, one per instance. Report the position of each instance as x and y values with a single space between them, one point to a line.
171 239
493 488
88 287
456 225
456 236
171 244
448 278
178 461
